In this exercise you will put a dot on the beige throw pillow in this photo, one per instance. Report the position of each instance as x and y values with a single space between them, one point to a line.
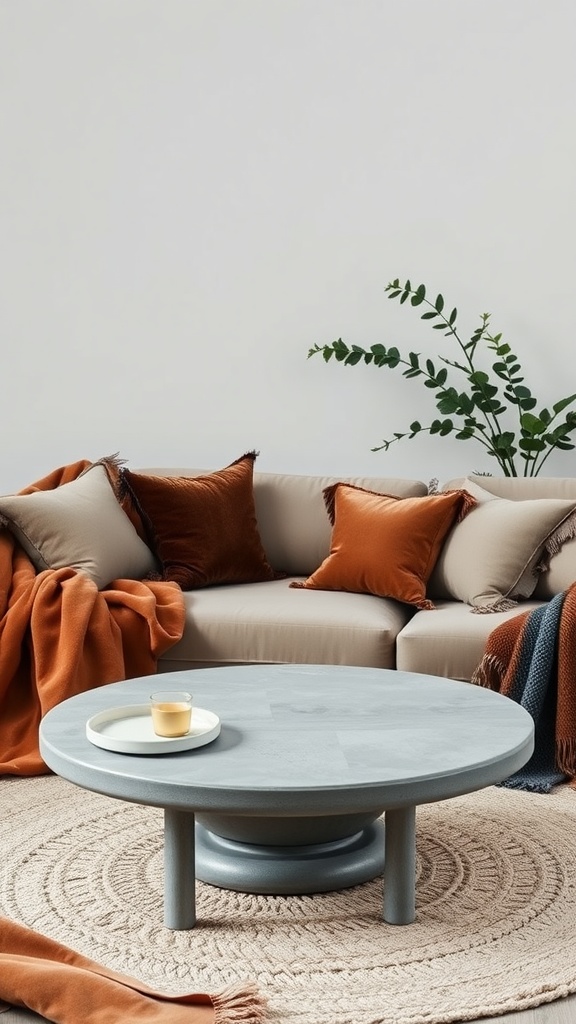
490 559
79 524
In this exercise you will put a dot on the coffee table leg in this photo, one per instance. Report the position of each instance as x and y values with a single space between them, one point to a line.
179 870
400 866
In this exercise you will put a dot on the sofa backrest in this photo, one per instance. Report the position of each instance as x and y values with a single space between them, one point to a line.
562 571
291 514
292 518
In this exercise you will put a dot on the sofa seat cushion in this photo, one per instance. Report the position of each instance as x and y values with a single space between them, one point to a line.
450 640
271 623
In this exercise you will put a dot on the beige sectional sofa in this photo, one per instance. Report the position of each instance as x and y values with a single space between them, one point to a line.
276 623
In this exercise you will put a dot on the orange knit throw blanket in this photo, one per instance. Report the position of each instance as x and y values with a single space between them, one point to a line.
60 636
67 988
536 650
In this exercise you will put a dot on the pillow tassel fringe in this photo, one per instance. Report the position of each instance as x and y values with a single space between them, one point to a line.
468 504
564 532
240 1003
505 605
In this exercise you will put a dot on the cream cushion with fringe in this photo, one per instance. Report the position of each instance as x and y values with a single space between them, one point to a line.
555 575
79 524
492 558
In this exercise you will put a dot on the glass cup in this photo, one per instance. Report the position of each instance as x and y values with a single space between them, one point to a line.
171 712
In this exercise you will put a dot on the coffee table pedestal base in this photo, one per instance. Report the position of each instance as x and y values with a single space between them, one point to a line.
290 870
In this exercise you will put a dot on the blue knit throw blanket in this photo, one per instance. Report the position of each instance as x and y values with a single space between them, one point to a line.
525 649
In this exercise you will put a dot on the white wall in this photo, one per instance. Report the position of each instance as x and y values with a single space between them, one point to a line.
194 192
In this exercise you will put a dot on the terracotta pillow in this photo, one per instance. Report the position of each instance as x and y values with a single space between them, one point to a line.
385 545
202 529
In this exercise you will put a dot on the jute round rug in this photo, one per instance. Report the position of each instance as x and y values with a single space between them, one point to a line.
496 907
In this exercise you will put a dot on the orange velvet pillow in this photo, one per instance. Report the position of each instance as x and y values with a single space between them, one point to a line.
202 529
385 545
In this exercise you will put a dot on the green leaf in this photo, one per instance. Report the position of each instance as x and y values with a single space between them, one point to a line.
559 406
446 428
419 295
531 444
466 403
415 427
430 315
528 403
503 440
532 424
448 402
439 304
452 317
353 358
479 377
501 370
430 368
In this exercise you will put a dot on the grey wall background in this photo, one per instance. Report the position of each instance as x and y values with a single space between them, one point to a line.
193 192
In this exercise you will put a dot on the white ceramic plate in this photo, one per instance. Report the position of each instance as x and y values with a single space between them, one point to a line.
128 730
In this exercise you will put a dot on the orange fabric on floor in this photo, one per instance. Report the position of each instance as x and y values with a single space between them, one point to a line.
65 987
60 635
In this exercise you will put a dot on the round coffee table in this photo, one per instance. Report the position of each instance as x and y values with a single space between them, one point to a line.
288 798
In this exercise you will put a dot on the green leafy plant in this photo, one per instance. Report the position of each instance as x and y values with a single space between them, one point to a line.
480 407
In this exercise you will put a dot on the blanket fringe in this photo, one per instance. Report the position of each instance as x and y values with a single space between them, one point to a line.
566 756
488 672
240 1003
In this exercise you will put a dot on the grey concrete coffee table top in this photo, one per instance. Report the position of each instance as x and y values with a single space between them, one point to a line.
302 737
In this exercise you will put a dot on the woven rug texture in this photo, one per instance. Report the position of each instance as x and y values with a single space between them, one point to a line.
495 928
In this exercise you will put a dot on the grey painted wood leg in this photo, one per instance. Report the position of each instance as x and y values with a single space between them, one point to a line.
400 866
179 870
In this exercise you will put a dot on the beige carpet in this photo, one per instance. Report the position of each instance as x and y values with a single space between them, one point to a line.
496 910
